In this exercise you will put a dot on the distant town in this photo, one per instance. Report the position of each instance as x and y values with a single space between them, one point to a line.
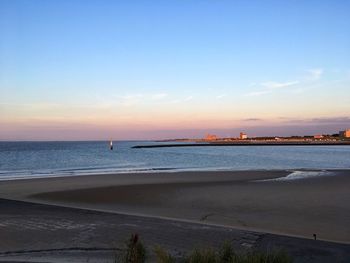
244 137
340 138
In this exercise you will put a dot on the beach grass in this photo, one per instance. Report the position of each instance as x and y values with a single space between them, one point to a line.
227 255
162 256
136 253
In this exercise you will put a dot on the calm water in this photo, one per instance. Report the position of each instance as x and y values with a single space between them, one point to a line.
31 159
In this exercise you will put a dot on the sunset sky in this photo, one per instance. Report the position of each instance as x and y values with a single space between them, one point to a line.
77 70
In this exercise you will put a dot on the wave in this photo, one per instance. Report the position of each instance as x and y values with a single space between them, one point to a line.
298 175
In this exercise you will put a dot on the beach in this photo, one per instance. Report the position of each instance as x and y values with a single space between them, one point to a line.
88 218
263 201
45 233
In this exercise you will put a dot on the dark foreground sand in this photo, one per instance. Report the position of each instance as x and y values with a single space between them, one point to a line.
240 200
44 233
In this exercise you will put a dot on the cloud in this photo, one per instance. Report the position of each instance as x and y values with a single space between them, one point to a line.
331 120
33 105
258 93
176 101
315 74
342 120
278 85
297 91
188 98
220 96
252 119
130 100
159 96
269 86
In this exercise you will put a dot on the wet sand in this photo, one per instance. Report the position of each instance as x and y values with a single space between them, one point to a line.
242 200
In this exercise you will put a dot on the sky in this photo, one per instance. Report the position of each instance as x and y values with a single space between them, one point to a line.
94 70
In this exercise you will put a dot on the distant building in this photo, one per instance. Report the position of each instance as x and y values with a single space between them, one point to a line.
318 136
345 134
210 137
243 136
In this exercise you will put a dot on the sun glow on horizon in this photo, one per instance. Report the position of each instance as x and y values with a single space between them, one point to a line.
175 69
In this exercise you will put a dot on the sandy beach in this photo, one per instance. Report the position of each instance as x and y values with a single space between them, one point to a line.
46 233
248 200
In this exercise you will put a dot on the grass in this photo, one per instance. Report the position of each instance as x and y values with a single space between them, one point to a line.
136 253
227 255
162 256
202 256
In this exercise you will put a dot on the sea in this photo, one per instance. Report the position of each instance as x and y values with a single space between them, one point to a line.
51 159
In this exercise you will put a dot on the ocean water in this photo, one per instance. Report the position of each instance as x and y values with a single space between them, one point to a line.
45 159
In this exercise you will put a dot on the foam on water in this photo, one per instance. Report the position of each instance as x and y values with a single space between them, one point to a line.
298 175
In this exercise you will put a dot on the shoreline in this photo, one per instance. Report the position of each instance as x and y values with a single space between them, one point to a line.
250 200
156 171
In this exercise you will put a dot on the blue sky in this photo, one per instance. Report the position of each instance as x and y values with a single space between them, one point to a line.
166 67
